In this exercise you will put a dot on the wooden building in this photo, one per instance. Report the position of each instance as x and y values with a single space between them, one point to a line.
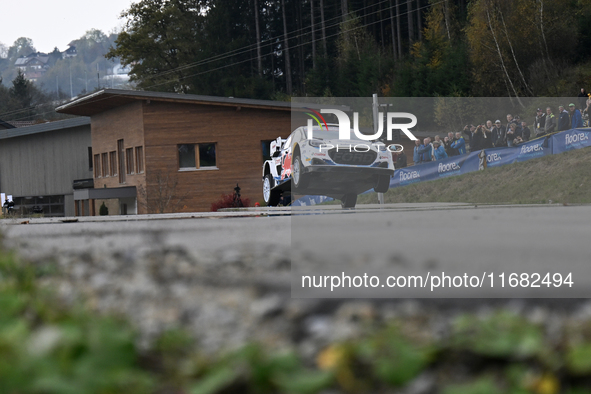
164 152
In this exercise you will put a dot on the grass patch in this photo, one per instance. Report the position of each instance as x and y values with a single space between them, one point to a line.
563 178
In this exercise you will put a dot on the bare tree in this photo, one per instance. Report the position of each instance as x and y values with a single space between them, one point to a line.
507 77
258 31
419 20
287 59
160 194
312 21
411 32
323 27
398 28
513 53
392 29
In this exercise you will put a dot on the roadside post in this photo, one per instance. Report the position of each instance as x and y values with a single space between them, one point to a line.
375 112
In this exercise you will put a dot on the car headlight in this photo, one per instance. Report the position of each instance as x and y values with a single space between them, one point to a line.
315 143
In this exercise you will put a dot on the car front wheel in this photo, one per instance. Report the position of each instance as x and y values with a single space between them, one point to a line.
383 184
349 200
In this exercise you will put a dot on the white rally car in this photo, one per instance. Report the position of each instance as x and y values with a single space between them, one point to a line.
325 165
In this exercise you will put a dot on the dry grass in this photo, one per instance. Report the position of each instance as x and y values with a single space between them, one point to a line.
563 178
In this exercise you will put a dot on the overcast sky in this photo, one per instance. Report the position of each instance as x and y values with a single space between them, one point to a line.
55 23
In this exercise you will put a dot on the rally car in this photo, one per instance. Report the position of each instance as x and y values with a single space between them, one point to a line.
325 165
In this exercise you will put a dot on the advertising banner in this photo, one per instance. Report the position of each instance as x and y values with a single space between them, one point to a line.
571 139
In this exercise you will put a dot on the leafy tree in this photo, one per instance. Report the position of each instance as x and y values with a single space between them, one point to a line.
3 51
23 100
22 90
160 36
518 47
438 64
21 47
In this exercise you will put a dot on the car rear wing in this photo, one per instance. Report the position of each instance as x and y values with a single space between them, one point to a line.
276 146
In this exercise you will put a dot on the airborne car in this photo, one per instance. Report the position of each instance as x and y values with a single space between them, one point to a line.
325 165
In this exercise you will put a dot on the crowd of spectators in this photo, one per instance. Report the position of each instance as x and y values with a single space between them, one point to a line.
512 133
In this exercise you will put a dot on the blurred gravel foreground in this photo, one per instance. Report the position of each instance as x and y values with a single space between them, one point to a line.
227 284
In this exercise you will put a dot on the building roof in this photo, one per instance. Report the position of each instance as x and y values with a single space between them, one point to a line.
44 127
5 125
22 123
24 60
107 99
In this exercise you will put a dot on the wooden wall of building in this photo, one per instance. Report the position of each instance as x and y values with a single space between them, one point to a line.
238 133
126 123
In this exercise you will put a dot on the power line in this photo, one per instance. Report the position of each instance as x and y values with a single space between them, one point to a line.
268 42
295 46
251 46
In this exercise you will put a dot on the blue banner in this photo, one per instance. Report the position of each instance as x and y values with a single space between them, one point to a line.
458 165
571 139
455 165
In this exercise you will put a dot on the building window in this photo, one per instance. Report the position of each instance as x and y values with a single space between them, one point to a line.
207 155
90 158
105 164
197 156
129 160
266 148
187 156
113 163
121 161
97 166
139 159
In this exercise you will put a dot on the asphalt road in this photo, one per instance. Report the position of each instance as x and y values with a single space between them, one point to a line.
430 240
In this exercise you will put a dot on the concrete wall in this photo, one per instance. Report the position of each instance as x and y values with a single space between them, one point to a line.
46 163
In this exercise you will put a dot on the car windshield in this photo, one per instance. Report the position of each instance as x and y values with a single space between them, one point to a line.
332 134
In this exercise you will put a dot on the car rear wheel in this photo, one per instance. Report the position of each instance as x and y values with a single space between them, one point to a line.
270 196
349 200
383 184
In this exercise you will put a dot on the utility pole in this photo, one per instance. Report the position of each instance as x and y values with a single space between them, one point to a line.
375 111
71 93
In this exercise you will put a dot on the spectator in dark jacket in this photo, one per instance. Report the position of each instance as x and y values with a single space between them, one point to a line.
511 134
563 119
498 135
401 160
582 99
525 132
477 139
551 123
539 122
469 131
448 149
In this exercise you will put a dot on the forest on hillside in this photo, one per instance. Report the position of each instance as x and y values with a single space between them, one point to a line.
277 49
273 49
